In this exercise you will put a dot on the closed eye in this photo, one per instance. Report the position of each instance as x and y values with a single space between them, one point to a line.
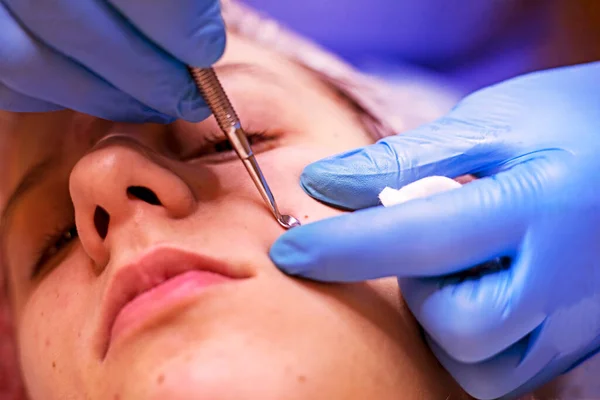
53 247
217 148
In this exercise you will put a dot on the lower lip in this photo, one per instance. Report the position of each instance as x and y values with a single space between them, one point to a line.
162 296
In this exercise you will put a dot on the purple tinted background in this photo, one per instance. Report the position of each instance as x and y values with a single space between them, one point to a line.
471 42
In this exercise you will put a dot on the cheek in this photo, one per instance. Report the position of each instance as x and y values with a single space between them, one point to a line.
283 169
52 331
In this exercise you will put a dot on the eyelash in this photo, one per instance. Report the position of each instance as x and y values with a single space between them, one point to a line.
215 154
55 242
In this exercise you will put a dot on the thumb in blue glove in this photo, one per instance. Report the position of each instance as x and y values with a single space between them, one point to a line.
534 142
122 60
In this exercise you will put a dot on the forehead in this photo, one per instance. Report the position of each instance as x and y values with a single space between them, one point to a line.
240 49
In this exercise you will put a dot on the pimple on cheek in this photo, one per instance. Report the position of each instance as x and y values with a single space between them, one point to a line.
299 377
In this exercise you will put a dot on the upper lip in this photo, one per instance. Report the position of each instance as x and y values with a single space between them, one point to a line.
149 270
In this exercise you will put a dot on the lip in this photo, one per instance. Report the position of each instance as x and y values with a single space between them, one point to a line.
159 278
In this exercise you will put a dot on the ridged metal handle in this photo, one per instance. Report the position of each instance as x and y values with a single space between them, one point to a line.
212 91
210 88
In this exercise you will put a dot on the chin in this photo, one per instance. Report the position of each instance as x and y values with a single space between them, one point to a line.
183 360
214 374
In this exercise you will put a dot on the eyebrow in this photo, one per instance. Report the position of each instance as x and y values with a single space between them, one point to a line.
31 179
241 68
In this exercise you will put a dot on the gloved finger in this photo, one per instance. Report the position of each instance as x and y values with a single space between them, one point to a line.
32 69
512 373
11 100
451 146
193 32
439 235
475 318
98 37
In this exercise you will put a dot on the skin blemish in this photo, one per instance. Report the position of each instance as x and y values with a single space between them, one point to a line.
301 379
47 342
116 397
306 217
160 379
53 364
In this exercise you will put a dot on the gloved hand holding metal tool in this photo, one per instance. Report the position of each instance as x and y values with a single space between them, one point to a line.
122 60
535 143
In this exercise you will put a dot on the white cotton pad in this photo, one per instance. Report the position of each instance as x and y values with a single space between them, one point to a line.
418 189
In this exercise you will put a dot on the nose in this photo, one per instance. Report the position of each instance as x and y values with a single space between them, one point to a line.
118 184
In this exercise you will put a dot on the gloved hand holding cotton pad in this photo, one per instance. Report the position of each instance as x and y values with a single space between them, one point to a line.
427 187
418 189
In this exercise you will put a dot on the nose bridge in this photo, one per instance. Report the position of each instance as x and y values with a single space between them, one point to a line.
109 186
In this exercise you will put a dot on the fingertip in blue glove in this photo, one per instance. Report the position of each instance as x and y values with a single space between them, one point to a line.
123 60
535 143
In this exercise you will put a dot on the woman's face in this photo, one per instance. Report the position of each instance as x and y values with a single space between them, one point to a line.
137 257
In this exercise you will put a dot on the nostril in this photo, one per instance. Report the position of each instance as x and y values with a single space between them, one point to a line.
101 221
144 194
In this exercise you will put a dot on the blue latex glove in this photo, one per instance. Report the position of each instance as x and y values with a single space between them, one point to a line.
116 59
535 142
